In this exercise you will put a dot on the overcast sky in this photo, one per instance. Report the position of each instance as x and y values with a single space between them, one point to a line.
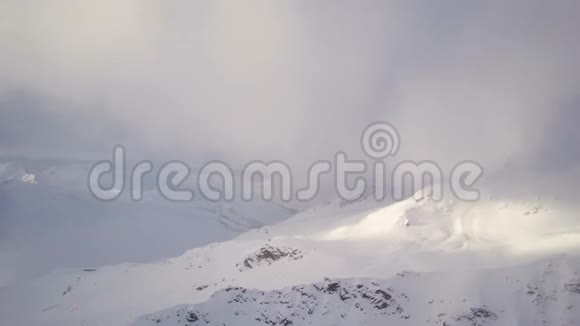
492 81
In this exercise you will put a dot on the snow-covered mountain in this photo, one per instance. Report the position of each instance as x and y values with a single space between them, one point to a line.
49 221
498 261
545 293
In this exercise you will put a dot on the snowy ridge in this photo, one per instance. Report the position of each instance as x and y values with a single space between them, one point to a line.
50 221
333 301
548 295
498 255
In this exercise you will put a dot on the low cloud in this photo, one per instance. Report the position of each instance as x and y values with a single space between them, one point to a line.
293 80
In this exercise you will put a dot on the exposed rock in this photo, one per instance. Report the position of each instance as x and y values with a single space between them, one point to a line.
294 306
268 255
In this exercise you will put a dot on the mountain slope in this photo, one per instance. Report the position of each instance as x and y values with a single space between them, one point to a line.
54 223
486 253
545 293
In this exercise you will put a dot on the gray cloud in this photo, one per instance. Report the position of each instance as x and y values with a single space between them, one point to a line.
295 80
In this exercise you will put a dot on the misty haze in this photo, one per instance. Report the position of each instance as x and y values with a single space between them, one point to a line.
266 162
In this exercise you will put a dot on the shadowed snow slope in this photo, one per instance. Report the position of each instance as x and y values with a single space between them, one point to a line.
54 222
419 261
